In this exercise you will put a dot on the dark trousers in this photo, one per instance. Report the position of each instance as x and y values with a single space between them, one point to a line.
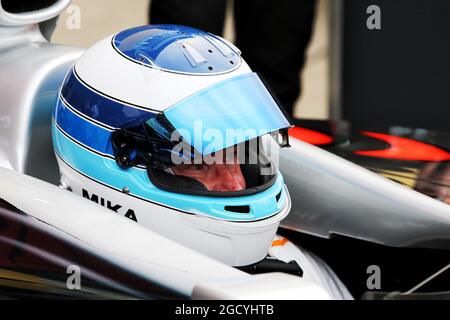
272 34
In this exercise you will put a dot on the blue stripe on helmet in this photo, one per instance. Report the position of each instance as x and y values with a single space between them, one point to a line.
87 133
100 107
106 171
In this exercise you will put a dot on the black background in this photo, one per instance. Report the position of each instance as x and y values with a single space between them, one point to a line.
398 75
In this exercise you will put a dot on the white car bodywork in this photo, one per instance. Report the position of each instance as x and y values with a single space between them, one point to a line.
136 248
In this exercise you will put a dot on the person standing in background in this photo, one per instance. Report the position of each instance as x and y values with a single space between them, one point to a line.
273 34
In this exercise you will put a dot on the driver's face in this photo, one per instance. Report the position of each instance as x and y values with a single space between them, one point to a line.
215 177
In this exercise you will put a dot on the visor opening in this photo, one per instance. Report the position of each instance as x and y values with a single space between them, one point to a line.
256 177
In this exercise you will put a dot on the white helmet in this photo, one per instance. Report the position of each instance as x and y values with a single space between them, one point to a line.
141 122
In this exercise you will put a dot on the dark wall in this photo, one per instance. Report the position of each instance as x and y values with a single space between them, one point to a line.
401 73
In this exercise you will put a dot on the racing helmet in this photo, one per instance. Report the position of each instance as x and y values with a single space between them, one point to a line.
168 126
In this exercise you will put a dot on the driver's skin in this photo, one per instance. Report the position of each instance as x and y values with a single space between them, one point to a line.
216 176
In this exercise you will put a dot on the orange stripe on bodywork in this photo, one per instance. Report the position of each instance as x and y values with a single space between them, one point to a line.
279 242
405 149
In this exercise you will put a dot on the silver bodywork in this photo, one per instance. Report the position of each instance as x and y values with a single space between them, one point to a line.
332 196
31 72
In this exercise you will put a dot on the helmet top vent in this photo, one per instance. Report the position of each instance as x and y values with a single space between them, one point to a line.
177 49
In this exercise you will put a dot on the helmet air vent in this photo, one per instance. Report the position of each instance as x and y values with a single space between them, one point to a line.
278 196
238 209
